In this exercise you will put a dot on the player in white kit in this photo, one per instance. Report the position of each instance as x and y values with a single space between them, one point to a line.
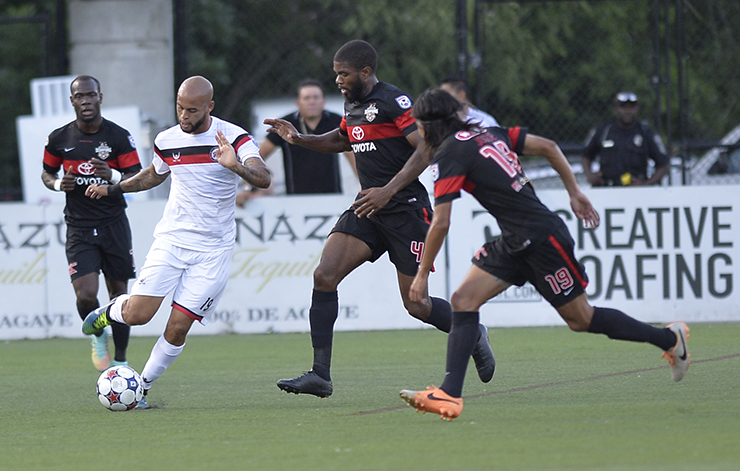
194 240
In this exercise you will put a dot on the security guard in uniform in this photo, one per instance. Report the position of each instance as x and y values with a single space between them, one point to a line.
623 147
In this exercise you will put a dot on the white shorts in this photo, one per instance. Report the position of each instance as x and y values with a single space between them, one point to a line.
198 279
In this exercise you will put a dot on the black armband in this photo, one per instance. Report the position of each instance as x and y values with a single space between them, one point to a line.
115 190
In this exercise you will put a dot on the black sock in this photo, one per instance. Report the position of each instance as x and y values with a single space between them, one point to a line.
441 315
120 340
83 311
619 326
460 345
322 315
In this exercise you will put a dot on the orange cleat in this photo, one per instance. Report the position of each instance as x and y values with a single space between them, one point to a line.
434 400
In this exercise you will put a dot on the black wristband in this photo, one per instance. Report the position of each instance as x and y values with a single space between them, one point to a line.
115 190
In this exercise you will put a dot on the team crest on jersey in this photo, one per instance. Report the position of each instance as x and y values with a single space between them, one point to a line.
637 140
434 168
103 151
212 153
404 102
176 156
371 112
131 141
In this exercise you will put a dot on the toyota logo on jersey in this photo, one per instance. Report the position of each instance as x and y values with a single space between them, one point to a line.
85 168
358 133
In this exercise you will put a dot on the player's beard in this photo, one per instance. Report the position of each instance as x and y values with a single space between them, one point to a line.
355 93
196 126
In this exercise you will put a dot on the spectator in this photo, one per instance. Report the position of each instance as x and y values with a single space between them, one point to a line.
458 88
623 147
306 170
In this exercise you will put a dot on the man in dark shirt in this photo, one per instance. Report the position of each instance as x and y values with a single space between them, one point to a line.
535 245
391 213
92 150
308 171
623 147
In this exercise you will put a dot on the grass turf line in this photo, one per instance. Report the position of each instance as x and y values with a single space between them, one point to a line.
559 400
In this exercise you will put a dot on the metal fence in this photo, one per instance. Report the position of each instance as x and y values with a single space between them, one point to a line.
553 66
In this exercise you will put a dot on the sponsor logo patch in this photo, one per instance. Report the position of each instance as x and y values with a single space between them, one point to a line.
85 168
404 102
358 133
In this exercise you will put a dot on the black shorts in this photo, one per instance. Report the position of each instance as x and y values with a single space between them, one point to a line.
400 234
550 266
107 248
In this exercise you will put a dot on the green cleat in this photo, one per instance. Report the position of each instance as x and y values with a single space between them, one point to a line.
100 355
97 320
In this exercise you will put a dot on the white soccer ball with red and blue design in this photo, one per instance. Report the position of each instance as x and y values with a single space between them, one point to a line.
119 388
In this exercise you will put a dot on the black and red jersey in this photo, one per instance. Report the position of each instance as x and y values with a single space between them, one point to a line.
486 165
377 127
68 147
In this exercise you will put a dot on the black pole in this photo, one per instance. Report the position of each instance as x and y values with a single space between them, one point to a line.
62 61
462 38
180 40
682 89
667 74
477 92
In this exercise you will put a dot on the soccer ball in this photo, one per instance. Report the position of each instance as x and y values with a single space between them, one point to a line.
119 388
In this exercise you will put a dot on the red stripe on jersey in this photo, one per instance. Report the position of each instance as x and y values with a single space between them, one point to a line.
240 141
52 160
405 120
448 185
514 137
343 125
186 311
126 160
187 159
568 261
372 132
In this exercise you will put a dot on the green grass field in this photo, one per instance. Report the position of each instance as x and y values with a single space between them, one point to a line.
559 400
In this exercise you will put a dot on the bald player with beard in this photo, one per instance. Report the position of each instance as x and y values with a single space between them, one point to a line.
193 242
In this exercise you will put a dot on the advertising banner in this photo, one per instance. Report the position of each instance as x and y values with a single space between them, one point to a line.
660 254
279 243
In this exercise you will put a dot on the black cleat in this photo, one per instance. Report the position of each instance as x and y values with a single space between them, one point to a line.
483 357
307 383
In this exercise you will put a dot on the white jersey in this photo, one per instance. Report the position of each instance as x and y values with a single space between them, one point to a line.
199 214
481 118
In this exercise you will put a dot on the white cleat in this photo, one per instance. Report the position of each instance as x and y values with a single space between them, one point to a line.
678 356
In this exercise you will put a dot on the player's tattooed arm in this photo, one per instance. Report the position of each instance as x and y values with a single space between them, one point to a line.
255 172
144 180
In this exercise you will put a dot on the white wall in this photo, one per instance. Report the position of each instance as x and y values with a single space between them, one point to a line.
128 46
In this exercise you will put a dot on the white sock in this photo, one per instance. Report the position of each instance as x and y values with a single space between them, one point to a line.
162 356
114 313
